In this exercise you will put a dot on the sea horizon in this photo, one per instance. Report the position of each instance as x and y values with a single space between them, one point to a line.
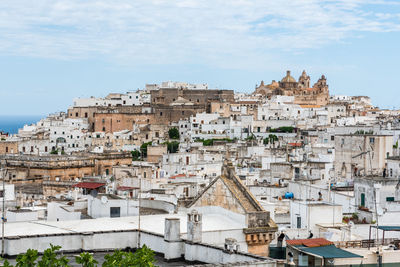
11 123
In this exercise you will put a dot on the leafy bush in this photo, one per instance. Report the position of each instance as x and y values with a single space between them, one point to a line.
86 260
135 155
283 129
272 138
210 142
173 133
173 146
143 257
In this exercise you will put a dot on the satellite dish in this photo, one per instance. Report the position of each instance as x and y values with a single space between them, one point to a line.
104 199
76 179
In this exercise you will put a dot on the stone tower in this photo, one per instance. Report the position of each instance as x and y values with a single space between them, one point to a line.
304 80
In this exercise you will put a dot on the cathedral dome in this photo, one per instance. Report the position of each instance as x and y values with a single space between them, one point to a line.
288 78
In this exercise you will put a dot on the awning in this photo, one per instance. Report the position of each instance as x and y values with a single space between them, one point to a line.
387 228
88 185
328 252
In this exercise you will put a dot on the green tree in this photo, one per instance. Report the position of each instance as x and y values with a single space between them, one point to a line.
114 259
251 137
143 257
51 259
208 142
173 133
173 146
270 139
86 260
266 141
27 259
135 155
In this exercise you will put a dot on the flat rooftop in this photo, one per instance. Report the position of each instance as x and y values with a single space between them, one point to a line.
151 223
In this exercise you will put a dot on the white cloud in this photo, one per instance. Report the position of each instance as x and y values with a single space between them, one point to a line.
224 33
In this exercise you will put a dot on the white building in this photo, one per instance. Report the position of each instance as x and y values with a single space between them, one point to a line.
107 205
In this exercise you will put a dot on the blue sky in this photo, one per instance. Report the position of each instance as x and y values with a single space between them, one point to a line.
52 51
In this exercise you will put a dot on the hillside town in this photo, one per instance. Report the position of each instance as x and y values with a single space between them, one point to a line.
288 175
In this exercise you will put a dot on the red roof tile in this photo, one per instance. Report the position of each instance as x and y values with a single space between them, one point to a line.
295 144
181 175
314 242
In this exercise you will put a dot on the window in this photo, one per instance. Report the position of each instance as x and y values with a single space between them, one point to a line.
45 149
332 138
76 114
31 148
1 193
86 115
6 149
390 199
298 222
362 200
115 212
372 140
160 113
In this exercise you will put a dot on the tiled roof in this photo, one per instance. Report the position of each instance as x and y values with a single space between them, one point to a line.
181 175
313 242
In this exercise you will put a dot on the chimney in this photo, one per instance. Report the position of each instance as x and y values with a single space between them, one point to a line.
231 245
172 230
172 236
194 226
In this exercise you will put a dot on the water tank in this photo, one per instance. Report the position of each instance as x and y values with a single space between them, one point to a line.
289 195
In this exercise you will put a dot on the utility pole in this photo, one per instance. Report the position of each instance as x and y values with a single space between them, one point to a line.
140 190
3 218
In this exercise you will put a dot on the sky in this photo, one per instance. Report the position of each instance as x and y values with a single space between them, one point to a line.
53 51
